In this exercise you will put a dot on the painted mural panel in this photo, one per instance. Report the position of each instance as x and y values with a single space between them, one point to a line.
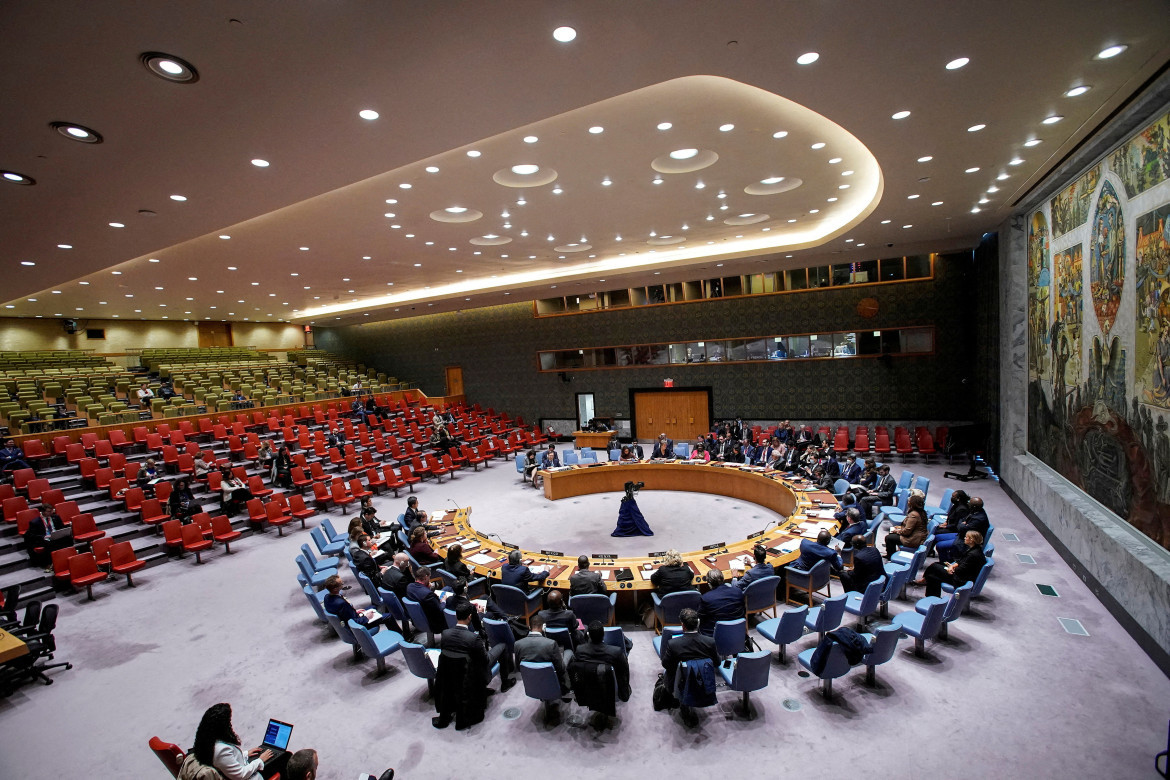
1039 281
1107 258
1099 405
1152 322
1144 161
1067 317
1070 207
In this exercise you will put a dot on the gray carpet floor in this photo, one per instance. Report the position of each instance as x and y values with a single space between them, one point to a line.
1009 694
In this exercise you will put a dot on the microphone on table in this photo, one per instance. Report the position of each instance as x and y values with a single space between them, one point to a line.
771 523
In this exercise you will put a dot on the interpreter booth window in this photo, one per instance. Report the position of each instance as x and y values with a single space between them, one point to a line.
797 279
696 352
892 269
917 266
549 361
778 348
820 346
818 276
918 340
737 351
844 344
756 349
623 356
869 342
798 346
650 355
678 353
716 351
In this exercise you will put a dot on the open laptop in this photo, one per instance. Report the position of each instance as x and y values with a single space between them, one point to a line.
276 738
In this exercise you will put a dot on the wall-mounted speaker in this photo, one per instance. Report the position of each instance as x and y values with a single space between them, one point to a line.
70 326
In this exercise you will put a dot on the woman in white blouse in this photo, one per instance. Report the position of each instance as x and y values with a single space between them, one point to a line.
216 744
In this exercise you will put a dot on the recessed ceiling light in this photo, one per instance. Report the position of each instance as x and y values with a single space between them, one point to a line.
842 186
1111 52
834 160
233 268
808 58
700 185
1002 176
985 199
907 226
432 169
606 182
975 128
418 265
169 67
818 145
179 198
117 225
664 125
1051 120
76 132
260 163
900 115
993 188
957 63
846 173
925 158
726 128
772 180
18 178
368 113
27 262
780 134
814 211
116 273
1077 91
192 278
830 200
304 249
525 169
975 209
972 169
912 197
225 237
937 203
683 154
152 260
530 139
405 186
564 34
473 153
1016 161
595 130
885 221
87 284
1032 142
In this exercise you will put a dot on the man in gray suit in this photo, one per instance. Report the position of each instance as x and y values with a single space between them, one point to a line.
538 648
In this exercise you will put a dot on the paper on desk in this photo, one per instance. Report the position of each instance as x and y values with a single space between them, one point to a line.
481 559
604 573
792 545
825 513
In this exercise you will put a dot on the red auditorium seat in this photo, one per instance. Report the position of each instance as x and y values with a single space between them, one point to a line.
173 535
101 551
85 530
222 531
408 477
339 495
358 490
153 512
193 541
84 572
277 517
34 451
118 440
297 508
124 561
35 487
74 453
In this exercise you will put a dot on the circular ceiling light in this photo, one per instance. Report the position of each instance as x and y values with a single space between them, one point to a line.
773 185
473 153
17 178
179 198
975 128
664 125
1111 52
491 239
972 169
461 214
1051 120
808 58
169 67
925 158
564 34
746 219
900 115
76 132
957 63
726 128
1016 161
684 161
818 145
368 114
665 240
260 163
576 247
530 139
1078 91
432 169
780 134
524 175
596 129
1032 142
117 225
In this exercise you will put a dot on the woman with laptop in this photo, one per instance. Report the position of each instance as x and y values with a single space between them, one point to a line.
217 745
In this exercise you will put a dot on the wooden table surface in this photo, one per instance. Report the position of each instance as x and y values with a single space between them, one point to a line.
787 497
11 647
589 439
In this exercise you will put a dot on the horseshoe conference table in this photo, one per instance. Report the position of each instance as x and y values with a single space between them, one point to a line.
806 510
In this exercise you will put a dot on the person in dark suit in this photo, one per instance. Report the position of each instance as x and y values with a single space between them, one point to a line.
947 545
848 501
963 570
882 493
583 581
724 601
37 537
811 553
413 516
636 448
364 562
673 575
538 648
832 467
336 604
760 570
867 566
595 651
462 641
518 575
854 525
557 615
550 459
421 549
399 576
852 471
454 564
663 448
690 645
420 590
957 513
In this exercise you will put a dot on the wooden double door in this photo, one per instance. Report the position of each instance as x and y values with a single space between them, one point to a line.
681 414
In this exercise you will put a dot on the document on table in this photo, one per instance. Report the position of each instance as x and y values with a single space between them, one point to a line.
605 573
482 559
827 514
792 545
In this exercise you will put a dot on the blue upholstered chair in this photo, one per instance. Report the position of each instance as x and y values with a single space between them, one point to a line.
594 606
415 611
499 631
977 585
390 604
376 646
839 488
956 605
912 559
371 591
519 466
562 636
666 608
616 637
569 457
315 578
421 662
475 588
730 637
588 456
343 633
809 581
836 665
318 565
682 449
882 642
865 604
896 579
452 619
615 455
943 506
331 533
826 616
324 545
660 641
924 622
541 682
748 672
315 603
515 602
922 483
785 629
760 595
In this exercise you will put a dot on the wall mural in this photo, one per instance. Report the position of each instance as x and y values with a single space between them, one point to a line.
1099 387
